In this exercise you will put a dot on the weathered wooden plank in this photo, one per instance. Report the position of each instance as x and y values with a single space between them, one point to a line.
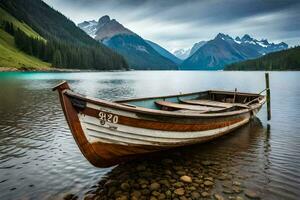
206 102
186 106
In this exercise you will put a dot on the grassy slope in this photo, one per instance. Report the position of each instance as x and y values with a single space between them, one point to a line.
10 56
5 16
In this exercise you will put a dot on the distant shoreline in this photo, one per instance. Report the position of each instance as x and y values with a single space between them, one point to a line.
8 69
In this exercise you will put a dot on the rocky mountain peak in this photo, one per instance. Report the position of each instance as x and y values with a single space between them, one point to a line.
238 38
247 37
104 28
223 36
103 20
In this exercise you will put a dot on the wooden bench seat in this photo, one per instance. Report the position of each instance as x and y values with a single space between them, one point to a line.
187 106
215 104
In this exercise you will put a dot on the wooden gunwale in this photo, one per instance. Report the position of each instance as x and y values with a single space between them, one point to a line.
137 109
187 94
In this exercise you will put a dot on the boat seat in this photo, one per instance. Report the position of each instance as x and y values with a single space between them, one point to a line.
190 111
184 106
206 102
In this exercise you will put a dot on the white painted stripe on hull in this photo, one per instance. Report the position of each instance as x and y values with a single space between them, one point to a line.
132 136
159 133
116 138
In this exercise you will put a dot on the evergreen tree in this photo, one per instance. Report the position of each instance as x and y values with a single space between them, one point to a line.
64 54
12 30
57 61
282 60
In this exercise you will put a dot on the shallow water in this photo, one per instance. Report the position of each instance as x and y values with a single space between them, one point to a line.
40 160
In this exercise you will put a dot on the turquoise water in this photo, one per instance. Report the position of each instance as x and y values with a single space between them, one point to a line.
40 160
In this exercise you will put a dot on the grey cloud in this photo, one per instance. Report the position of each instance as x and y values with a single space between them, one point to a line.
193 20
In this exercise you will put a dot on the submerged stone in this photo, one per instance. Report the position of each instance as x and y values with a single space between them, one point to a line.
252 194
186 179
179 191
208 183
154 186
205 194
195 195
218 197
125 186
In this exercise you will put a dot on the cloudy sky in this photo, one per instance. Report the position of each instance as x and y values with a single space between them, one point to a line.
176 24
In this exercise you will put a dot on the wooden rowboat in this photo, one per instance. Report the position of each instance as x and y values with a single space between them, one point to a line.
108 133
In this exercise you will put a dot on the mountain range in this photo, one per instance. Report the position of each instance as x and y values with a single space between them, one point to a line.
139 53
224 50
204 55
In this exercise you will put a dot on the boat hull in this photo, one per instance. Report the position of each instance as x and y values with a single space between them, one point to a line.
107 135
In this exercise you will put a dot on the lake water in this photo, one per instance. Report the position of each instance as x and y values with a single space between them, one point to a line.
40 160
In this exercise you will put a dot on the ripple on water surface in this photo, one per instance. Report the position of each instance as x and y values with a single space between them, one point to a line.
39 158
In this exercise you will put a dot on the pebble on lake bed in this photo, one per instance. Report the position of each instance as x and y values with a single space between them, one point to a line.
218 197
125 186
154 186
179 191
195 195
205 194
208 183
171 179
186 179
252 194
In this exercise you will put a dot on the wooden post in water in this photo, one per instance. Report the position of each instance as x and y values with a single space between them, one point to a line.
268 95
234 97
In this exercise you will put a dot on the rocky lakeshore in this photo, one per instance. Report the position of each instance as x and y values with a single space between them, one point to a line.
178 175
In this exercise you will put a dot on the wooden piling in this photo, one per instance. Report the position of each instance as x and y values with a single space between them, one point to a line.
268 95
234 97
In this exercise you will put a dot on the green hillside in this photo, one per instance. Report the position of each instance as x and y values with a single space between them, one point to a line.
282 60
11 57
67 45
5 16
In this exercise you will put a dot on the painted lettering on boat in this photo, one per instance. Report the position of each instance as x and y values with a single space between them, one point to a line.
108 117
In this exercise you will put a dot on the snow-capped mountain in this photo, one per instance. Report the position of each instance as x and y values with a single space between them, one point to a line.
223 50
90 27
138 53
185 53
182 53
262 46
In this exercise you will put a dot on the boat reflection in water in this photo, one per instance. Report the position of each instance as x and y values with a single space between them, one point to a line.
233 166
